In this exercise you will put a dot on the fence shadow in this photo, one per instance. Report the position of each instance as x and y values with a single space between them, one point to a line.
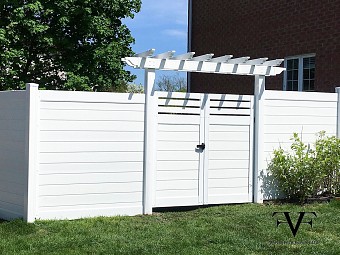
269 188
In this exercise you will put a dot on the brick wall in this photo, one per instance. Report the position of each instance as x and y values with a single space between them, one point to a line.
266 28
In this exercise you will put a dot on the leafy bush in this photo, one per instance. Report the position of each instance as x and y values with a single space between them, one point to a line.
304 172
327 159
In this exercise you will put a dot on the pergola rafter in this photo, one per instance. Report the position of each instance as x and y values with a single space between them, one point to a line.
205 63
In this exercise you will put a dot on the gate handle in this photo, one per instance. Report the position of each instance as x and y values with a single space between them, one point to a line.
201 146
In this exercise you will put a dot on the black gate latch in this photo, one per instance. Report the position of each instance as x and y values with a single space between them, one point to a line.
201 146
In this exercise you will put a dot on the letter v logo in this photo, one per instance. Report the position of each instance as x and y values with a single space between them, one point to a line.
293 228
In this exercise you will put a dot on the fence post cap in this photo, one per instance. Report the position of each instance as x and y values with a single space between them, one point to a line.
32 85
337 89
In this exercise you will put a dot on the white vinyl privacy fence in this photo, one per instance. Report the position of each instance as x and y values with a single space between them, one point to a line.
80 154
67 154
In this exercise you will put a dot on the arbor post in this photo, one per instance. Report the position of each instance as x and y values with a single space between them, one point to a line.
259 97
150 136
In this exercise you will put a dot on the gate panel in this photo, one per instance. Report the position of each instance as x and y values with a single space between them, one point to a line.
218 172
178 163
229 135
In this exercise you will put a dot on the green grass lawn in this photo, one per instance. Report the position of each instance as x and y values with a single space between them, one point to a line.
230 229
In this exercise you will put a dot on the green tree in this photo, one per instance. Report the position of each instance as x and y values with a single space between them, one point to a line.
65 44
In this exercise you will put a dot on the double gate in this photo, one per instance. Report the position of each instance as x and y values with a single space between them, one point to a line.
204 149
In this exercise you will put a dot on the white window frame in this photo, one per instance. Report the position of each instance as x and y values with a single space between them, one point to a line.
300 70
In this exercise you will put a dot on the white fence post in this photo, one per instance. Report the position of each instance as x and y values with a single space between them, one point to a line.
259 91
337 90
150 128
31 151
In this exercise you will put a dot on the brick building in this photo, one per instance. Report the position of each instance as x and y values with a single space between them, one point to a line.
306 33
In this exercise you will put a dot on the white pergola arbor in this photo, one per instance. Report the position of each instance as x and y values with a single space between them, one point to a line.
188 62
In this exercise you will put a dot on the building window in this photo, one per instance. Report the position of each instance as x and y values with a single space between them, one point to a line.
300 73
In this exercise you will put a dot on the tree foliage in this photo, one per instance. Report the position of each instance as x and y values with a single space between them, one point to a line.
172 83
65 44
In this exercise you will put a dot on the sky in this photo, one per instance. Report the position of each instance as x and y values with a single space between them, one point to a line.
160 25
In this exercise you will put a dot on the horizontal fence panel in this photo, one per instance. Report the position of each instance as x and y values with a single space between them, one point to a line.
173 95
177 175
225 111
229 198
9 211
90 199
182 103
299 120
228 173
270 147
229 104
82 211
228 164
229 120
177 155
90 178
97 167
299 96
175 119
228 128
228 155
82 96
98 188
13 135
89 136
294 111
225 97
92 106
290 129
12 98
97 126
177 193
178 128
11 198
12 125
103 146
90 157
229 146
224 163
169 201
228 136
176 185
299 104
91 115
171 146
178 136
12 114
230 182
167 165
178 110
228 191
12 187
286 137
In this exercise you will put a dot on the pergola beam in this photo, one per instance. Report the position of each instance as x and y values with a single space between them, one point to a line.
205 63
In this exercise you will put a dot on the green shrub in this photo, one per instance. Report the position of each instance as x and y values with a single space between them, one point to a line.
327 159
304 172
